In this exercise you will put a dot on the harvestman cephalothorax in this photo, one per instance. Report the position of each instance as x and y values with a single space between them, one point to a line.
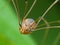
29 25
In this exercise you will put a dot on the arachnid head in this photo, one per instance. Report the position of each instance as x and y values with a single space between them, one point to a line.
27 26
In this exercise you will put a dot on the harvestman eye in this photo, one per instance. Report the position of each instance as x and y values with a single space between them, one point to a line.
26 29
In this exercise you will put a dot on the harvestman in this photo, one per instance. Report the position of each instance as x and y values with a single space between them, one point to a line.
28 24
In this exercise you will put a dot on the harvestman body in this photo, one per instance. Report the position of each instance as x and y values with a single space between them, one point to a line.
28 24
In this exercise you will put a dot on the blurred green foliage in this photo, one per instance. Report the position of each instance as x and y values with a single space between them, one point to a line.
9 30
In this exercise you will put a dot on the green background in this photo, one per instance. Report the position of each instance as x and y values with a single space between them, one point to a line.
9 30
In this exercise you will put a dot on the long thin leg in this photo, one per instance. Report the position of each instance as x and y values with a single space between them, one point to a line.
58 21
44 37
30 9
26 4
47 24
46 28
25 7
47 10
46 32
57 39
16 9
